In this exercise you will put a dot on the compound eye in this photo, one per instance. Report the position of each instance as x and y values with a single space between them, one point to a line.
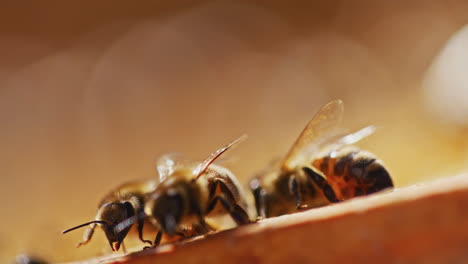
129 210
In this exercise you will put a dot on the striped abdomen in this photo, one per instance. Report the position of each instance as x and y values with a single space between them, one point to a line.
352 172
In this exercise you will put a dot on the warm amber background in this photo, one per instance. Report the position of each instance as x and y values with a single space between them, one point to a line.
91 92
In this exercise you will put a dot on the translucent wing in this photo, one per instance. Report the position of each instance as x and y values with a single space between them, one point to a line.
198 171
341 140
355 137
321 128
167 164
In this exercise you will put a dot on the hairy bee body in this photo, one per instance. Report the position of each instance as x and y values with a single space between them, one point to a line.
274 196
197 195
216 174
133 191
353 172
350 172
123 202
322 167
189 193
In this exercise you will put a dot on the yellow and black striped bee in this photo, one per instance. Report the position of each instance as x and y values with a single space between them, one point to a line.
322 167
189 192
124 202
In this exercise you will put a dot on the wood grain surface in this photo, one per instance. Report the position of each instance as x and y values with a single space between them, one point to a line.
424 223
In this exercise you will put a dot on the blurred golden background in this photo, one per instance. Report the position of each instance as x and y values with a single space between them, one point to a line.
92 92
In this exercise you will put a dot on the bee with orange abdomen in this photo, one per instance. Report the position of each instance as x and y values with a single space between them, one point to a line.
322 167
124 202
190 192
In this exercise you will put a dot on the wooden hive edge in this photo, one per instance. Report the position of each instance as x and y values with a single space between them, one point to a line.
424 223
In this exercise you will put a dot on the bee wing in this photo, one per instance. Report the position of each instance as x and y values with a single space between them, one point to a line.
341 140
319 129
355 137
167 164
198 171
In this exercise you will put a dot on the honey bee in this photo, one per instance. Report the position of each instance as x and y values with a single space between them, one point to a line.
322 167
189 192
125 201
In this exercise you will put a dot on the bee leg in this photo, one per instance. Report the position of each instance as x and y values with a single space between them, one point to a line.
112 246
140 224
262 210
237 213
183 234
260 199
322 184
204 227
201 229
88 234
294 188
157 240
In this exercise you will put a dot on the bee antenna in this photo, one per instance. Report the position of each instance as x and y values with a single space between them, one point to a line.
85 224
207 162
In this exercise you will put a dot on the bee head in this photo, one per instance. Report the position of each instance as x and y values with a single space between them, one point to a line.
168 208
109 216
113 214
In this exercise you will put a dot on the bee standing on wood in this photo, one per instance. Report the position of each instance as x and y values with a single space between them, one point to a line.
321 168
122 203
187 193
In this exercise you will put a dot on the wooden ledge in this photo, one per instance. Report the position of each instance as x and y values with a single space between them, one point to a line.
425 223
